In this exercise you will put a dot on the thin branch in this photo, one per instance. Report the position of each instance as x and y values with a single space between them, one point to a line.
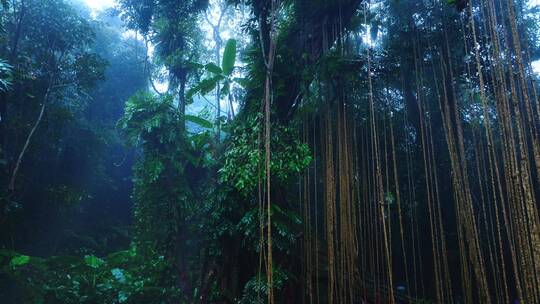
262 44
50 86
27 143
154 86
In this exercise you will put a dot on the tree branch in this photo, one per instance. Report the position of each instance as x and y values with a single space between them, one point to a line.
27 143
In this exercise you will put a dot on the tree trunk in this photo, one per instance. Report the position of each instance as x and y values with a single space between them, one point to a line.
182 100
217 40
312 35
26 144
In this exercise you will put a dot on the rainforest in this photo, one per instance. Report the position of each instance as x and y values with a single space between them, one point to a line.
269 151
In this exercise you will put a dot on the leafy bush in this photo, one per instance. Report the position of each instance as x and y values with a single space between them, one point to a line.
256 289
121 277
244 158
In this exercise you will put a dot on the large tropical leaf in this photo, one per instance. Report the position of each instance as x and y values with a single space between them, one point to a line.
200 121
194 65
204 86
19 260
93 261
243 82
213 68
229 57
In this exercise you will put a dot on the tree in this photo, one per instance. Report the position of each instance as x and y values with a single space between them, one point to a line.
170 27
60 146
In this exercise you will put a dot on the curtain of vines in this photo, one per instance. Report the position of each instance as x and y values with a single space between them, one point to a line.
440 202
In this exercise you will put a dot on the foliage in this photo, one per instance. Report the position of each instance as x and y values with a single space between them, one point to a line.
153 124
145 116
256 289
49 46
285 226
5 75
229 57
199 121
223 74
170 25
120 277
195 223
243 159
168 176
76 172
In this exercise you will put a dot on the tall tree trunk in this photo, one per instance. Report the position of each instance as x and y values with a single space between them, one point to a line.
4 95
26 144
11 186
182 100
217 40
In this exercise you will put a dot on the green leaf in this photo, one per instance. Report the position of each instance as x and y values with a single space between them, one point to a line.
204 86
123 296
19 260
243 82
225 89
200 121
118 274
120 257
194 65
229 57
93 261
213 68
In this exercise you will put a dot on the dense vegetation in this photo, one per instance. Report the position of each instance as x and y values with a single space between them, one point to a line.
270 151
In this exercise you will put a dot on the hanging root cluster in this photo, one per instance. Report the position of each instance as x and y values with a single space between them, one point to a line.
481 244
